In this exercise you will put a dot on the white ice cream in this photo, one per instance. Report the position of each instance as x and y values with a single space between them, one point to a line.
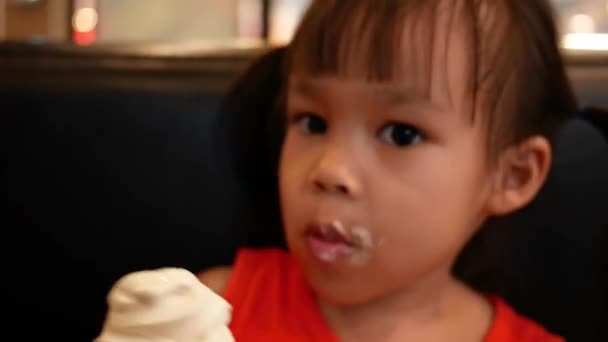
165 305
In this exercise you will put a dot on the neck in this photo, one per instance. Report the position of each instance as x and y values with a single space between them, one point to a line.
419 308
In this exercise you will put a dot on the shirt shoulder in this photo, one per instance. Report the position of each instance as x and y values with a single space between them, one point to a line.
508 325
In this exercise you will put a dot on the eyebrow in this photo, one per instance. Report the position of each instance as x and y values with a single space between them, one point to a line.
305 88
390 95
396 96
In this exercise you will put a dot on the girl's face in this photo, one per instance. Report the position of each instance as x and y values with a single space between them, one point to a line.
381 187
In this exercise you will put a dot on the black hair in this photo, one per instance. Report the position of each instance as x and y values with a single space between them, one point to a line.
518 80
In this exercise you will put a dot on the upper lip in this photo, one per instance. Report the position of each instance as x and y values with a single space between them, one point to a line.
332 230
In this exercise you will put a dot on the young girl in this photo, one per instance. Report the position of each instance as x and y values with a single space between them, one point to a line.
407 124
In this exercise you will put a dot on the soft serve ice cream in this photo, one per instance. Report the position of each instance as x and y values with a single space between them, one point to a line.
168 304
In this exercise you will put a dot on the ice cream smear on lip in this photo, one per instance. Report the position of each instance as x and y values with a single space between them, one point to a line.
335 240
167 304
364 236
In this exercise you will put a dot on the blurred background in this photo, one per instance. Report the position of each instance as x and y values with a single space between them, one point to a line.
584 23
87 22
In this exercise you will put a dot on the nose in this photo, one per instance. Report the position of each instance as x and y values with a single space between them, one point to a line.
335 174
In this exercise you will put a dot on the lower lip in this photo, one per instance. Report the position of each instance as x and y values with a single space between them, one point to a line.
328 251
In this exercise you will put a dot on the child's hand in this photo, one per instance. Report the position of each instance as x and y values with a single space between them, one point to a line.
216 278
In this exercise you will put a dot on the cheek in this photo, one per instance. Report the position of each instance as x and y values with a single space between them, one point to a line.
429 206
287 173
289 161
292 174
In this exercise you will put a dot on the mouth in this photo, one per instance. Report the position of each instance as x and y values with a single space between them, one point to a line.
329 242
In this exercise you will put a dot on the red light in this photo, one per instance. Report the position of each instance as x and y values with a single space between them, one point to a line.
84 24
84 38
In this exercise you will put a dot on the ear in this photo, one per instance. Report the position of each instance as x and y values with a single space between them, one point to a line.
521 173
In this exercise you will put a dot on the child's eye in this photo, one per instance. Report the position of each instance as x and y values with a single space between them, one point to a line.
399 134
311 124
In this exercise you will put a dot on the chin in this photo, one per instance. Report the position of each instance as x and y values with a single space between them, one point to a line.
343 294
340 288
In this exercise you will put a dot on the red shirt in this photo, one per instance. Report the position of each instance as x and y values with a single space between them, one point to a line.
273 302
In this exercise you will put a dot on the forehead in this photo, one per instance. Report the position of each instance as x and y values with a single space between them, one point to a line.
424 46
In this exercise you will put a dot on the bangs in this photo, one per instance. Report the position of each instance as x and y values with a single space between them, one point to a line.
377 41
414 42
